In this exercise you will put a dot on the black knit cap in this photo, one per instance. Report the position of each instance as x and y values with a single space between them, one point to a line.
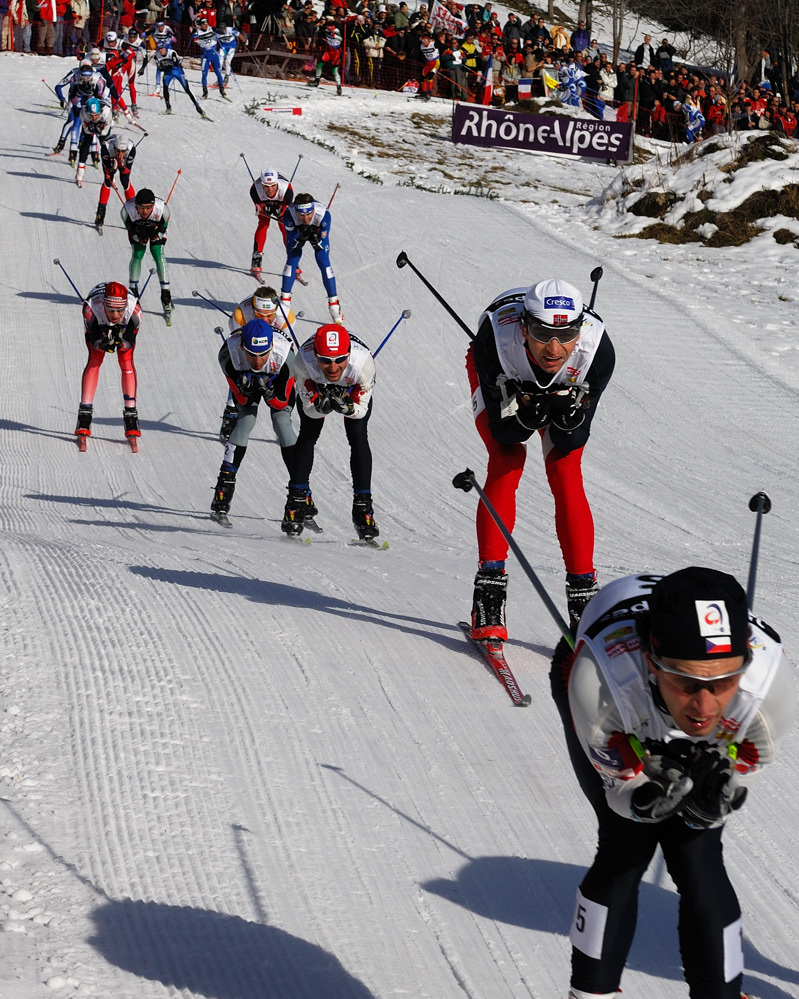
145 197
699 613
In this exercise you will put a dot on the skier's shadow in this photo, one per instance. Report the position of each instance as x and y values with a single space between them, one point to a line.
539 895
46 217
216 955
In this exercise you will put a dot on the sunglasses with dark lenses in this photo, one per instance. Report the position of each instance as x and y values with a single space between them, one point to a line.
342 359
543 334
688 684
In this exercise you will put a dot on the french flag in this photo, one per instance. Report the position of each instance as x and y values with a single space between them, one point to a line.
488 82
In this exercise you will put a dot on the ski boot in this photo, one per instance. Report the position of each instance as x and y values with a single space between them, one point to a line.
166 300
223 93
131 418
579 590
488 604
285 301
313 83
338 90
255 265
335 310
134 108
58 146
79 174
225 487
134 288
99 218
157 91
73 157
226 79
363 517
299 508
205 93
95 159
84 427
229 418
169 109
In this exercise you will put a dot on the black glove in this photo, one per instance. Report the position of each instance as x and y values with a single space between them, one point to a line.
534 405
265 387
341 399
323 403
568 407
247 384
716 791
664 792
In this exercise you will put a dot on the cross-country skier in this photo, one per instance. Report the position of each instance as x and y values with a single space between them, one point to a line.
335 373
158 36
306 221
95 124
694 119
672 701
83 83
208 42
111 318
330 46
170 65
263 304
136 43
258 363
538 365
430 66
271 194
146 218
118 155
229 39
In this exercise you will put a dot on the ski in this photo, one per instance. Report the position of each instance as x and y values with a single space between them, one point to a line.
301 280
311 524
257 273
134 444
298 539
168 317
370 543
82 442
221 518
99 229
493 655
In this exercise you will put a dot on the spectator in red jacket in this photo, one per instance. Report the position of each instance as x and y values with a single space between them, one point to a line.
45 26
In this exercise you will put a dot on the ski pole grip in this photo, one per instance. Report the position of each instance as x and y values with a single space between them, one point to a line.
402 259
756 501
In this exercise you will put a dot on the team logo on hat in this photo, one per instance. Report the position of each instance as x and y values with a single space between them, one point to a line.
559 302
714 625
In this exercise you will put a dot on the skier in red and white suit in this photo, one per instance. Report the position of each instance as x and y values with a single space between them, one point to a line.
271 194
430 54
111 319
118 154
538 365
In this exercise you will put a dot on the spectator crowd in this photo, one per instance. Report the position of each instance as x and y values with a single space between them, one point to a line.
391 47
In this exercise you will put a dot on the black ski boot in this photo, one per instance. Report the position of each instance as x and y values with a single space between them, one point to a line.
223 493
73 157
131 418
363 517
229 418
255 264
205 92
299 508
166 300
99 218
579 590
313 83
96 159
84 427
58 146
338 89
488 604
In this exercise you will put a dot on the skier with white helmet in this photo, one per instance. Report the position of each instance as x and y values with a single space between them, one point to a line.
229 39
308 221
258 363
539 364
271 194
95 122
118 155
111 319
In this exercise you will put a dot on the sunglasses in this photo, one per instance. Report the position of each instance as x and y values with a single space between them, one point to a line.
543 334
342 359
688 684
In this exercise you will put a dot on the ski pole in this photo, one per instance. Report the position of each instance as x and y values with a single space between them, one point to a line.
465 480
152 271
210 301
173 187
759 503
248 167
58 262
114 185
51 89
333 195
406 314
402 260
596 277
286 318
291 178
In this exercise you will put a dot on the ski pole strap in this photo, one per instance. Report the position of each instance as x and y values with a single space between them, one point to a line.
402 261
465 480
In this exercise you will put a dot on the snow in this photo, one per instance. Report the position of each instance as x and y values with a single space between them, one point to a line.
236 767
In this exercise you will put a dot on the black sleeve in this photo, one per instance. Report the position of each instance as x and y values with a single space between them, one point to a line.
598 376
254 195
281 381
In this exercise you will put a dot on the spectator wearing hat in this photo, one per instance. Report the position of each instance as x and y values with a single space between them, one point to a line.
401 19
672 701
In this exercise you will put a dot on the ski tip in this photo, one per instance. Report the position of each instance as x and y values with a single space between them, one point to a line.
525 702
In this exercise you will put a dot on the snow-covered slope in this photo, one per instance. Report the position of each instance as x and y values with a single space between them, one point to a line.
235 767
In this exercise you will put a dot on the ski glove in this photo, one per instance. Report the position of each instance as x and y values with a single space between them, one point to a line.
342 402
663 794
322 402
534 407
716 791
568 407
